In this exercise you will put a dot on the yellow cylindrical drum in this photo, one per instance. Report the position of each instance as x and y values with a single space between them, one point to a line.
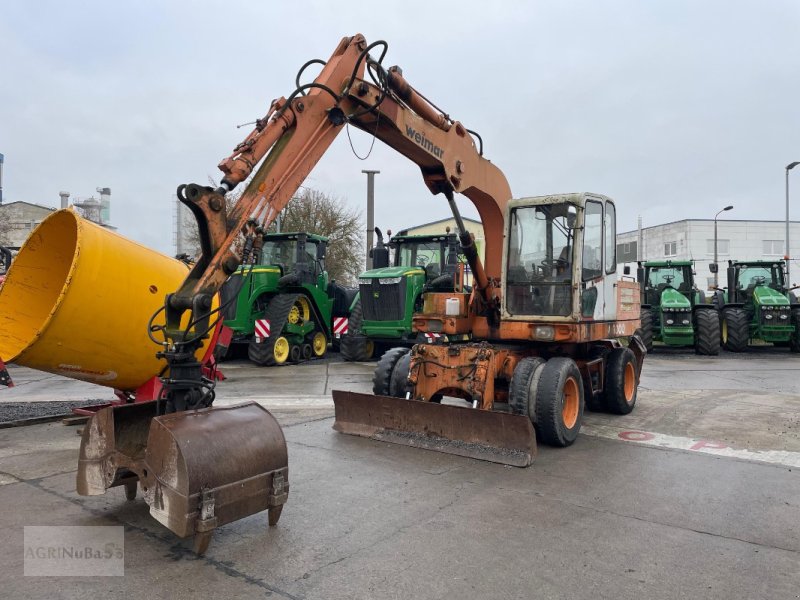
77 301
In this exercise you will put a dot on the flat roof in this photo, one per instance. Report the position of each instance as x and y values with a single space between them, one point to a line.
709 221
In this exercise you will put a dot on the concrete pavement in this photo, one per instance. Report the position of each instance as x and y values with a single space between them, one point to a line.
616 515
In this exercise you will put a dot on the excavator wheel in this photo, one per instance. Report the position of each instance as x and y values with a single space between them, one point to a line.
382 378
397 384
523 386
319 344
619 394
559 402
735 329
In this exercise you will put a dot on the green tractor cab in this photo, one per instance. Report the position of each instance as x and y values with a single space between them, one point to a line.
674 311
284 308
389 295
758 305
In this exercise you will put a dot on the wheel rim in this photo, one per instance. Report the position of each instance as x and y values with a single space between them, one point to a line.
629 383
281 350
571 403
319 344
724 330
300 311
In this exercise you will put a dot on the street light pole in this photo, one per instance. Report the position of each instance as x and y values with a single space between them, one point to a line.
716 275
370 212
786 257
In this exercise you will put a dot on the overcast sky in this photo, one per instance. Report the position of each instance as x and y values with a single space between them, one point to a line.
674 108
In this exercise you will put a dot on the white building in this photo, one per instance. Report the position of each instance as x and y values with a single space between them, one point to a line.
693 239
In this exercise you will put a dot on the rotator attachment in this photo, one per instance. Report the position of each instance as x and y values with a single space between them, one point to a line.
483 434
197 470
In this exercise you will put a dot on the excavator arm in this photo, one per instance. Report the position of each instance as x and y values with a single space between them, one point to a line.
279 154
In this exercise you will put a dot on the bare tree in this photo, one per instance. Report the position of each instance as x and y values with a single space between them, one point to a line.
5 228
313 211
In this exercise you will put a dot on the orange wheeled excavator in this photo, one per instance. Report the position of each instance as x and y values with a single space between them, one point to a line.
534 340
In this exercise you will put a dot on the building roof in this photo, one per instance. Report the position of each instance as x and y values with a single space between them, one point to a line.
417 226
50 208
709 221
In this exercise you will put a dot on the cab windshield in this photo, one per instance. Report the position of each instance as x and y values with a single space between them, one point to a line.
540 255
678 277
283 253
749 277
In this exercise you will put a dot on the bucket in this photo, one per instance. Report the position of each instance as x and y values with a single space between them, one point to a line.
77 300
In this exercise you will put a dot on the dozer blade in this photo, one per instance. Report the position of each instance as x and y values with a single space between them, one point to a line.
196 469
493 436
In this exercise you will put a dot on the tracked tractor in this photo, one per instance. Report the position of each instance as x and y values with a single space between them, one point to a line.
758 305
674 310
389 296
545 330
282 307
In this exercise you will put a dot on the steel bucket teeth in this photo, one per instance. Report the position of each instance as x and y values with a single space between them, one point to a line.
492 436
197 470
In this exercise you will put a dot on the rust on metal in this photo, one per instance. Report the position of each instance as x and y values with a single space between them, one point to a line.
197 470
485 435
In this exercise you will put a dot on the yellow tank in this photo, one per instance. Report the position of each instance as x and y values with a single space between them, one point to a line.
77 301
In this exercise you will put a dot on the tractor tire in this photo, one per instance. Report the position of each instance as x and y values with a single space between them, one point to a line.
645 331
275 349
621 386
522 389
559 402
399 379
382 378
706 332
354 346
794 340
735 329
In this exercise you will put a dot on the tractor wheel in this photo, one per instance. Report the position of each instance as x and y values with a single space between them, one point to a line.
735 329
706 331
522 389
295 353
619 393
645 332
399 379
319 344
559 402
382 378
354 346
794 340
272 351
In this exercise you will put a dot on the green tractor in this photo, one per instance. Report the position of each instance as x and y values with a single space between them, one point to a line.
284 308
380 316
758 305
674 311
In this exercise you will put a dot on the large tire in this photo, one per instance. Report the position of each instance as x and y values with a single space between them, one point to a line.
382 377
621 387
735 332
794 340
397 385
559 402
354 346
645 331
522 389
706 332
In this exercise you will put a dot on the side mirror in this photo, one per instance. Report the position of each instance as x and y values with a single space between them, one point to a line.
713 267
626 270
